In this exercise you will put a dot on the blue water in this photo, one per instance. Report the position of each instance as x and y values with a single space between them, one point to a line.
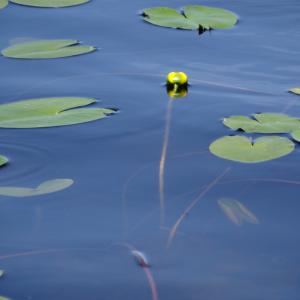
115 162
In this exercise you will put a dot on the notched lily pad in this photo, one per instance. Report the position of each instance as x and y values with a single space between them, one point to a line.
295 90
45 49
47 187
263 123
242 149
237 212
49 3
49 112
3 3
192 17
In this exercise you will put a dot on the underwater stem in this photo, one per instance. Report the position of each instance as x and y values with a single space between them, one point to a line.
162 161
192 204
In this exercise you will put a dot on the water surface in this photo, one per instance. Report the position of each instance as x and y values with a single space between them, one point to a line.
115 162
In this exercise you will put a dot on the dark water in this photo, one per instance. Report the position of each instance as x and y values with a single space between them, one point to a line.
115 162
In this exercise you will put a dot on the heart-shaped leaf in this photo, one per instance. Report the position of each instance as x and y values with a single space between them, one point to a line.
3 3
45 49
295 90
47 187
263 123
237 212
242 149
193 17
49 3
49 112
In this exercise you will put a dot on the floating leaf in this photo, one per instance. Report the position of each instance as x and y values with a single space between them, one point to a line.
263 123
49 112
210 17
49 3
242 149
193 17
45 49
236 211
3 160
167 17
47 187
1 273
3 3
3 298
296 135
295 90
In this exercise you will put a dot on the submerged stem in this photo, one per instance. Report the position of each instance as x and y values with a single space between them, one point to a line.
192 204
162 161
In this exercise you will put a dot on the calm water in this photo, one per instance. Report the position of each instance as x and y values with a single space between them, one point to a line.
115 162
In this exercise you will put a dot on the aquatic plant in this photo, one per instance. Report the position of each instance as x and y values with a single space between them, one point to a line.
185 213
193 17
49 112
49 3
295 90
176 85
243 149
45 49
3 3
3 160
296 135
46 187
263 123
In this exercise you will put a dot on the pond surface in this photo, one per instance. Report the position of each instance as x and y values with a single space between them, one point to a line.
73 244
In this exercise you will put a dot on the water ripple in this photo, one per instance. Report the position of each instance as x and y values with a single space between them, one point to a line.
25 161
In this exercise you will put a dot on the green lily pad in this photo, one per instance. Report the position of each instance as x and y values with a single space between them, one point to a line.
4 298
49 3
49 112
193 17
168 17
263 123
1 273
237 212
3 160
295 90
47 187
210 17
242 149
45 49
296 135
3 3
